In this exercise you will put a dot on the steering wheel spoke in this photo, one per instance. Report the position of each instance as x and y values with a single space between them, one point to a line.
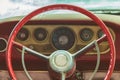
33 52
30 51
88 47
18 45
63 75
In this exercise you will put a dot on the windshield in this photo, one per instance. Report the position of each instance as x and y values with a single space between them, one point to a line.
11 8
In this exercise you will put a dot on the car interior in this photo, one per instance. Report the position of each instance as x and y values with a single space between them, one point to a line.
60 40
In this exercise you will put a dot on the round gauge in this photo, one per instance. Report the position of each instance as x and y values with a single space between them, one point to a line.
3 44
86 34
100 33
40 34
23 34
63 38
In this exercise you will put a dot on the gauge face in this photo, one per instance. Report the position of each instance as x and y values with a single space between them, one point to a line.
63 38
100 33
86 34
3 44
40 34
23 34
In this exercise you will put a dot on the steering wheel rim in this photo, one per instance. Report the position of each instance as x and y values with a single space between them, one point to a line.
56 7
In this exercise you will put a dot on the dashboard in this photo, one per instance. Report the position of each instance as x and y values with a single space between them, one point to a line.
69 32
48 38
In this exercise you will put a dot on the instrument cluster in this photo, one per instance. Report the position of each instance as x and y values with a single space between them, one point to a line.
48 38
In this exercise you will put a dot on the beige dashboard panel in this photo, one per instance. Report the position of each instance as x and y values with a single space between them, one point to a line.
46 46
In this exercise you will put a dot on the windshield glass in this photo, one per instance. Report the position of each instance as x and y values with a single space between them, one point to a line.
10 8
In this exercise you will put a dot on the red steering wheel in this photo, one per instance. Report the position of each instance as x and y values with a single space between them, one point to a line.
61 53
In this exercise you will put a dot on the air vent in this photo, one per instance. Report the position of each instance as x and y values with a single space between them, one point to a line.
3 44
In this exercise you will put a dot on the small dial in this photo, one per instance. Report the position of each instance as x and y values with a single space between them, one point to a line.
63 38
40 34
100 33
86 34
3 44
23 34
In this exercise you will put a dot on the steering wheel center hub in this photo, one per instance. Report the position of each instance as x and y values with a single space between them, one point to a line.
61 61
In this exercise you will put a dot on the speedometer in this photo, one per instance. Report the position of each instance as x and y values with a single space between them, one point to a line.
63 38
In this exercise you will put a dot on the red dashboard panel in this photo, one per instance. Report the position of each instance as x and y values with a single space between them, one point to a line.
34 62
